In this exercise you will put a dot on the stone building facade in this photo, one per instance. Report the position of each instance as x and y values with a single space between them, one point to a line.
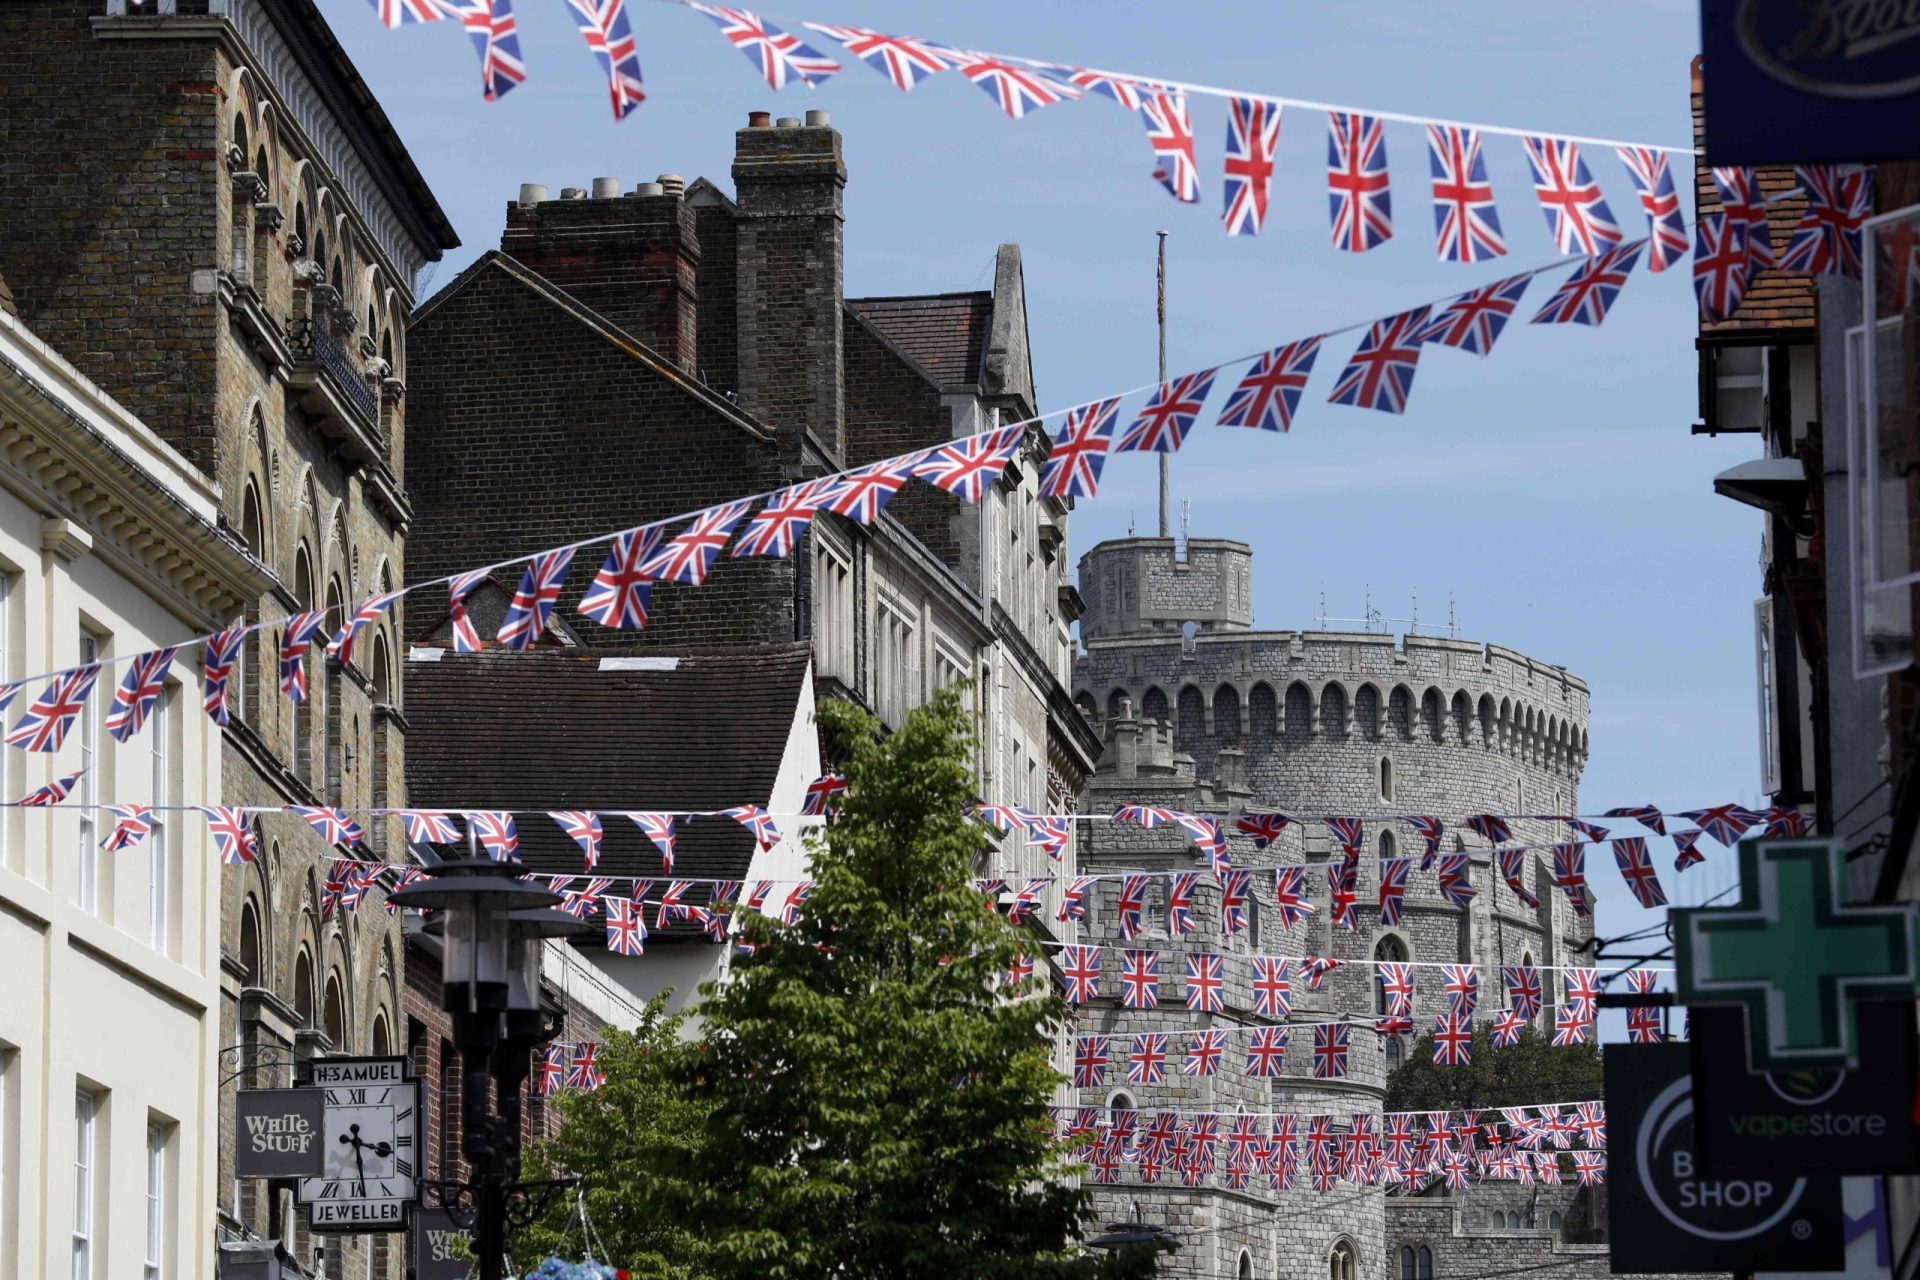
226 239
1201 712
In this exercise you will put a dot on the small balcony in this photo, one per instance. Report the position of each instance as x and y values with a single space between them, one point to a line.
329 378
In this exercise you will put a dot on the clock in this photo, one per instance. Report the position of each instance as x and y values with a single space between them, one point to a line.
370 1137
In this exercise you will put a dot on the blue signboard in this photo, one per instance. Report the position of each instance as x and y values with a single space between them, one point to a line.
1792 81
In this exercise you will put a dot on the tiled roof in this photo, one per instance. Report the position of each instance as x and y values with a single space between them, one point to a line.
943 333
548 729
1775 300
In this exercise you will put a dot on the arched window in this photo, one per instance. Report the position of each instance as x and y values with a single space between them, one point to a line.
253 534
1406 1262
303 989
1386 778
1120 1101
1153 705
1343 1263
1253 921
303 711
377 753
1555 1220
1423 1264
333 743
1388 949
334 1015
250 945
1116 704
1246 1265
380 1044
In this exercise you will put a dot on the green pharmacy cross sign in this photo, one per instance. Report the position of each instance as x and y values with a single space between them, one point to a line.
1796 955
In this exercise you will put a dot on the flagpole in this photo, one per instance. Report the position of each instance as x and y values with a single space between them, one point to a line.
1160 314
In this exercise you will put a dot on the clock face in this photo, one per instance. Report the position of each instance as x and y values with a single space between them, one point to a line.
371 1156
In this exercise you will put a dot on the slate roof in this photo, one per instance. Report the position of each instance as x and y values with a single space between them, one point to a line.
945 334
547 729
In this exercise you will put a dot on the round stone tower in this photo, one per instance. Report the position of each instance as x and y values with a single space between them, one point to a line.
1202 713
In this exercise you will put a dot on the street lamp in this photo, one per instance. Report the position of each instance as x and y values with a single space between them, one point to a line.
493 926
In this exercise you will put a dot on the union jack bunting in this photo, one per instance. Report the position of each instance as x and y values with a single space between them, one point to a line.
1666 229
397 13
1203 1053
1636 868
1569 1027
52 793
466 639
1523 989
1590 1168
620 593
346 884
1343 894
1170 133
1148 1058
1380 375
1746 208
968 467
1022 905
823 795
1587 294
1128 92
1783 820
1646 815
1725 823
1080 452
132 822
1493 828
1472 321
340 644
496 833
533 603
626 927
1131 905
1267 397
1462 985
1206 983
232 831
294 642
1080 967
223 651
689 556
1577 214
1465 223
672 905
795 899
780 57
1262 828
1456 886
1073 905
491 26
1019 970
1140 979
1358 200
1272 987
1591 832
1253 132
1431 831
133 701
862 494
1583 990
1685 854
1643 1026
429 826
1349 834
581 1071
1826 240
331 825
905 60
1591 1120
604 25
43 726
1507 1026
584 829
1003 817
1396 986
1314 969
1017 89
1234 890
1393 888
1513 867
1330 1051
553 1066
1290 895
1168 415
755 819
1453 1039
775 530
1208 838
1570 873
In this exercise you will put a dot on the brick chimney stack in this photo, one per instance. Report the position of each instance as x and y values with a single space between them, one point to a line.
789 178
633 258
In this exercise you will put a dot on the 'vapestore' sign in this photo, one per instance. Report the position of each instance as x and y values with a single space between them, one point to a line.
278 1133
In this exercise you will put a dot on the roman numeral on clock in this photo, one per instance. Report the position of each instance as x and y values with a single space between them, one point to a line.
403 1167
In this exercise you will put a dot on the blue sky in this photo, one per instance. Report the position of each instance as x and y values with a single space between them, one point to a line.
1552 489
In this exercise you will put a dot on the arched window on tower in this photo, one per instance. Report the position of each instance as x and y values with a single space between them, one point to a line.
1386 778
1343 1262
334 1015
303 710
333 744
243 692
249 945
303 989
1246 1266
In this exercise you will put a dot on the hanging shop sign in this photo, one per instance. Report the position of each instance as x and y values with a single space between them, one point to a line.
370 1135
277 1133
438 1253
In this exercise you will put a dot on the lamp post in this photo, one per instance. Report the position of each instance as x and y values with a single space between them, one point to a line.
492 926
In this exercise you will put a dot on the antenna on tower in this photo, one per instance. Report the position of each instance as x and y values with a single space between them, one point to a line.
1416 613
1320 619
1453 628
1186 520
1129 523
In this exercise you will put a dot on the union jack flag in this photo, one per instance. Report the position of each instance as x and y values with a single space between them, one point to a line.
1720 265
1570 873
397 13
673 903
604 25
1080 453
1666 229
1465 223
1473 320
777 527
331 825
1591 1121
1272 987
533 603
626 927
1462 985
1590 1168
1380 375
1017 89
1262 828
1593 833
1253 132
1180 891
145 681
1507 1026
622 590
1453 1039
905 60
781 58
1343 894
755 819
1330 1050
340 645
1206 983
1646 815
1140 979
584 829
1684 852
1357 196
553 1066
1523 989
1456 886
1170 132
1129 93
1022 905
1080 966
1167 417
756 900
1290 895
1513 867
223 650
1203 1053
1396 986
1725 823
862 494
294 642
232 831
1826 240
689 557
1393 888
1643 1026
1208 838
1019 970
1569 1027
796 898
1491 827
1636 868
1131 905
345 885
491 26
1349 834
1745 207
1270 392
132 823
823 795
1588 292
1783 820
1234 887
1148 1058
402 877
1316 968
1577 213
1430 830
1148 816
581 1072
1583 991
429 826
968 467
496 833
44 725
52 793
1073 904
466 639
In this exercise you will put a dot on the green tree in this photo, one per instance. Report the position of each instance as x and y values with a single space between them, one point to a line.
876 1107
1530 1071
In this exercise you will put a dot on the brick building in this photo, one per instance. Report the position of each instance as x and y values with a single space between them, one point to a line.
226 240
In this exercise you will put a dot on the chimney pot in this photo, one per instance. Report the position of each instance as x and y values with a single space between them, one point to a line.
673 184
787 122
606 188
819 119
758 119
647 189
573 193
532 193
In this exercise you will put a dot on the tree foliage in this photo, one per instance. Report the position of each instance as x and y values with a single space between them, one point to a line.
1530 1071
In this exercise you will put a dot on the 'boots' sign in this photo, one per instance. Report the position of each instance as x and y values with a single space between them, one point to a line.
277 1133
